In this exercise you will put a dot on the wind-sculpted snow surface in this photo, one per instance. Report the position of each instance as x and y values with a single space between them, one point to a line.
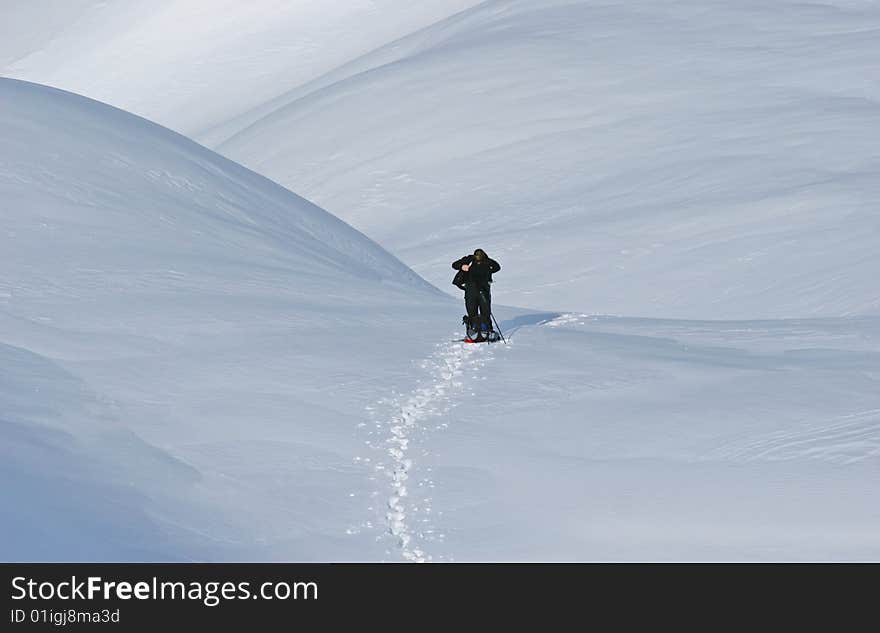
685 159
66 469
193 65
196 363
86 182
601 438
165 340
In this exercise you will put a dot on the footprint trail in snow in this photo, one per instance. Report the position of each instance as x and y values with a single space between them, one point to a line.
408 424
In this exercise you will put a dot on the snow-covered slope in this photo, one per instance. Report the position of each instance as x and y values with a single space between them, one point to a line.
78 485
195 363
164 325
603 438
69 162
191 64
681 158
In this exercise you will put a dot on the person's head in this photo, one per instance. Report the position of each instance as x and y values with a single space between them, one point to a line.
480 255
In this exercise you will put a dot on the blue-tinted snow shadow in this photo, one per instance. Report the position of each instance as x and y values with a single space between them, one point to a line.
671 340
510 326
77 486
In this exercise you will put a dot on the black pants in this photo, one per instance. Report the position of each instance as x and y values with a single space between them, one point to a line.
478 301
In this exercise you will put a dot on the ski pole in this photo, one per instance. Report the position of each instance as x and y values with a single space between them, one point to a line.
498 327
486 302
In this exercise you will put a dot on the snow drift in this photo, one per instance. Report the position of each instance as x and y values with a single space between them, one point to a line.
192 65
198 364
681 159
147 284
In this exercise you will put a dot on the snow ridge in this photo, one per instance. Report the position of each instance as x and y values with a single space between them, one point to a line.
846 440
431 398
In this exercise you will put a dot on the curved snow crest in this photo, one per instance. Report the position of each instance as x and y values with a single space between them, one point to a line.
198 64
187 303
716 162
79 171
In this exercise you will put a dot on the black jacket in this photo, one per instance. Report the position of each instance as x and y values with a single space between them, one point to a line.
478 274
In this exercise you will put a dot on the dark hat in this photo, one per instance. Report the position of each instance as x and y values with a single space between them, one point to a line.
480 253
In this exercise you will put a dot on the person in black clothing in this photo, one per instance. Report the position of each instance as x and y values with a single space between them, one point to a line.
476 273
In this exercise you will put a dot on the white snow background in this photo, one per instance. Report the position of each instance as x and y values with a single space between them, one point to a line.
198 364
